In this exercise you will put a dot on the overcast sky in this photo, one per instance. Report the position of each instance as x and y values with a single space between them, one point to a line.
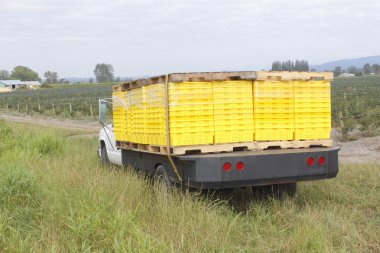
147 37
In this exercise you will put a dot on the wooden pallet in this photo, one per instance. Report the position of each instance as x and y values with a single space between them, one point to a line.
141 147
224 76
293 144
212 76
190 77
219 148
117 88
293 75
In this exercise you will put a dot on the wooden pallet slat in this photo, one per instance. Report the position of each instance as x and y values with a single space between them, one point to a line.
228 147
293 75
212 76
216 148
293 144
189 77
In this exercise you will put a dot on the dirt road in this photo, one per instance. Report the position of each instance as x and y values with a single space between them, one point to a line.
84 125
364 150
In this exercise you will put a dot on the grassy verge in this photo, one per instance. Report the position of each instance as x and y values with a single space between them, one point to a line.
55 197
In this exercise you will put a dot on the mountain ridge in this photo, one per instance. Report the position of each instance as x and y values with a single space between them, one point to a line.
345 63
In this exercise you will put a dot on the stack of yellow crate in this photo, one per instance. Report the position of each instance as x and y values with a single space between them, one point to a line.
129 115
119 115
273 110
280 106
155 114
233 111
191 113
137 106
312 110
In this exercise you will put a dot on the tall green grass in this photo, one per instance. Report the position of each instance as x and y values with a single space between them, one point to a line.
54 196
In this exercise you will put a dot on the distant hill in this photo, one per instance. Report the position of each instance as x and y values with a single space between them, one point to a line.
356 62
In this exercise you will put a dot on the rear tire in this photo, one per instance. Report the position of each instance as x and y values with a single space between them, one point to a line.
161 177
103 156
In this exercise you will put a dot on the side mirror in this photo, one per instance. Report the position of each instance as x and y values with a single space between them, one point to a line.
102 111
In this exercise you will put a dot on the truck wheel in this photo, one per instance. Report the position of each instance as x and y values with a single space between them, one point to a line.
103 156
161 176
279 190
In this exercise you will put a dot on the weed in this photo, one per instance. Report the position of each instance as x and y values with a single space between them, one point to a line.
49 145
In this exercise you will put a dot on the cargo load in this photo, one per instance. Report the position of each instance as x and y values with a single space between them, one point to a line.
223 111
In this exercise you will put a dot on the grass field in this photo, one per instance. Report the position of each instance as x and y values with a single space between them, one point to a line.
54 197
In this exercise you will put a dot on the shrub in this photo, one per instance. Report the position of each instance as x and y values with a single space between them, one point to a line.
48 145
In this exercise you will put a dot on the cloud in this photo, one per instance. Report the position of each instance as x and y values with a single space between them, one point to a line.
149 37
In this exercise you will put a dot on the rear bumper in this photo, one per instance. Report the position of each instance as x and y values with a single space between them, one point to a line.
261 167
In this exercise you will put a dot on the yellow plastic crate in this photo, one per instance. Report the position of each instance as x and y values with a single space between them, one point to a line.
119 116
155 114
137 106
273 110
191 115
312 105
129 116
233 111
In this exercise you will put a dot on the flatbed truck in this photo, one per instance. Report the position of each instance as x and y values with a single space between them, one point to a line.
279 167
226 159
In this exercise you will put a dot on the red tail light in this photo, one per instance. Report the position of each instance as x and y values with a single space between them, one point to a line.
240 166
322 160
227 167
310 161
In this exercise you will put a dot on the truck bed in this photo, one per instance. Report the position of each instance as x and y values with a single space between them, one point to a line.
260 167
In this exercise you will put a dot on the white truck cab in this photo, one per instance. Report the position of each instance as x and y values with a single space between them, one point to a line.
108 152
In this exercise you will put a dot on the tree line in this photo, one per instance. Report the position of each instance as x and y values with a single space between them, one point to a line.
289 65
26 74
303 65
103 73
367 69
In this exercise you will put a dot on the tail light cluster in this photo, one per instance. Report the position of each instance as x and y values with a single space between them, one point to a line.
310 161
228 166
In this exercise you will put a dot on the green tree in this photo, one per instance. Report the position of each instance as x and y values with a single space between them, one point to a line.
51 77
104 73
4 75
298 65
287 66
301 65
376 68
24 74
352 70
304 65
276 66
337 71
367 69
63 81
